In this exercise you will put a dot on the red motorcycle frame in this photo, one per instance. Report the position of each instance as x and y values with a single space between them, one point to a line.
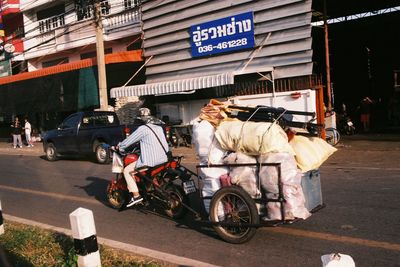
164 185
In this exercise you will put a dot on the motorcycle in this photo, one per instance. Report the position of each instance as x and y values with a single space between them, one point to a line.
166 185
176 139
346 126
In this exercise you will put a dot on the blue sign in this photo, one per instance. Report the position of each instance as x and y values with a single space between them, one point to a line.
222 35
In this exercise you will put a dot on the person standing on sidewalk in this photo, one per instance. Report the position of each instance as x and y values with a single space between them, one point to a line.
16 133
28 131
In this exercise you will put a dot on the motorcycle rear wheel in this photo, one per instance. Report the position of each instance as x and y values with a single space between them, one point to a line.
233 206
116 197
176 209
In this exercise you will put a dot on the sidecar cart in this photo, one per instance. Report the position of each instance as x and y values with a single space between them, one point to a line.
235 215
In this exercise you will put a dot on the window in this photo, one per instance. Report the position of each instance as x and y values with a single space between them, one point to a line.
105 7
93 54
104 120
70 122
85 10
54 62
130 3
50 12
51 18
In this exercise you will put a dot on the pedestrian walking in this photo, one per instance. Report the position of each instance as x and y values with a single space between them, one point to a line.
28 131
16 133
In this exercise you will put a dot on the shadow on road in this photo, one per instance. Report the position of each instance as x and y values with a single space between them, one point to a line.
96 188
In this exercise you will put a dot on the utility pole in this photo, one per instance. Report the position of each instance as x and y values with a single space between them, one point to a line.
101 65
327 62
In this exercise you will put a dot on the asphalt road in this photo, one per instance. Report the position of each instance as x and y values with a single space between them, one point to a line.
360 185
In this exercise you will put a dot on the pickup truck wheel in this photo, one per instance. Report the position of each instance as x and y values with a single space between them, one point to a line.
102 154
51 152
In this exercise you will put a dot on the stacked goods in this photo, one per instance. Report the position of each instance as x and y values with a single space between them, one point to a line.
244 176
228 135
209 152
291 186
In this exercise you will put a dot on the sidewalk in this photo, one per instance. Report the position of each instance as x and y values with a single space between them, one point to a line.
188 152
37 150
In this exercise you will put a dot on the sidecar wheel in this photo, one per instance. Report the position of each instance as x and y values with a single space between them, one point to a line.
232 205
116 197
176 210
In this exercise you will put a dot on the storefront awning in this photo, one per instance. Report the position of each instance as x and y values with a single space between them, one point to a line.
120 57
175 86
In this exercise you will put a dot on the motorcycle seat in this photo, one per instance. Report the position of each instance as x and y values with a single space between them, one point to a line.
153 170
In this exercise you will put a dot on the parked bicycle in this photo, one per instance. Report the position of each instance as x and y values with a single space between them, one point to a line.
332 136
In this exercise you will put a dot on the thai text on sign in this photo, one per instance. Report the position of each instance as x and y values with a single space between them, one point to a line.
222 35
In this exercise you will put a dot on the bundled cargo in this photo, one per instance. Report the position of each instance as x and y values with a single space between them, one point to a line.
244 176
253 138
209 152
248 147
310 152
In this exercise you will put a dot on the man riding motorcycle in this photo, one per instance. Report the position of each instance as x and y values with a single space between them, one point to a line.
153 147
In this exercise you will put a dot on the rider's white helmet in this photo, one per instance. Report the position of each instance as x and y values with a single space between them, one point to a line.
145 116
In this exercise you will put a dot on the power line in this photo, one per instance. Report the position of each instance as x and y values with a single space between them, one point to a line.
74 10
76 22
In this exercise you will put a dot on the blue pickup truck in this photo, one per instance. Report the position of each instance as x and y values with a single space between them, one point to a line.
83 133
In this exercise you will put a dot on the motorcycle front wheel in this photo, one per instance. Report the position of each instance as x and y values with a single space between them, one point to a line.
116 197
175 207
236 211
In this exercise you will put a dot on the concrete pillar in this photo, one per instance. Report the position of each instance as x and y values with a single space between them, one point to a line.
85 240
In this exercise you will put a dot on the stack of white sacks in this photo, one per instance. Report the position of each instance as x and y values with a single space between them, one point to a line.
209 152
251 142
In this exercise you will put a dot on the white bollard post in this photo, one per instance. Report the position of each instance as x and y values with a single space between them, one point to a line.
1 220
85 240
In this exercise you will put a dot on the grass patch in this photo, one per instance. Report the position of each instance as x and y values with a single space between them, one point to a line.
29 246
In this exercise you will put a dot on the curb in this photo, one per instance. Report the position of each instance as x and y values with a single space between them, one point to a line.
141 251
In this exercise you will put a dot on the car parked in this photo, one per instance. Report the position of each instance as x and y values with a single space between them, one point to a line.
84 133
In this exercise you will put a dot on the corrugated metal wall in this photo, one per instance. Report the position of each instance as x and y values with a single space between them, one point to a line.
166 26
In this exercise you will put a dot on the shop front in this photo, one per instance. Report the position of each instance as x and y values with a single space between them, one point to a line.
220 50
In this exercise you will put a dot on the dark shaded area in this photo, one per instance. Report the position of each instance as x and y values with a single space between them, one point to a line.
339 8
47 100
363 55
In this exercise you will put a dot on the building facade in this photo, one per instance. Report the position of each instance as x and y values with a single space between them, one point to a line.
53 66
197 50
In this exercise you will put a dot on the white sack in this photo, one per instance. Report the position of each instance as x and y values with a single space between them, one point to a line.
210 186
269 174
293 207
117 164
211 176
202 137
215 156
291 186
252 138
337 260
245 176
